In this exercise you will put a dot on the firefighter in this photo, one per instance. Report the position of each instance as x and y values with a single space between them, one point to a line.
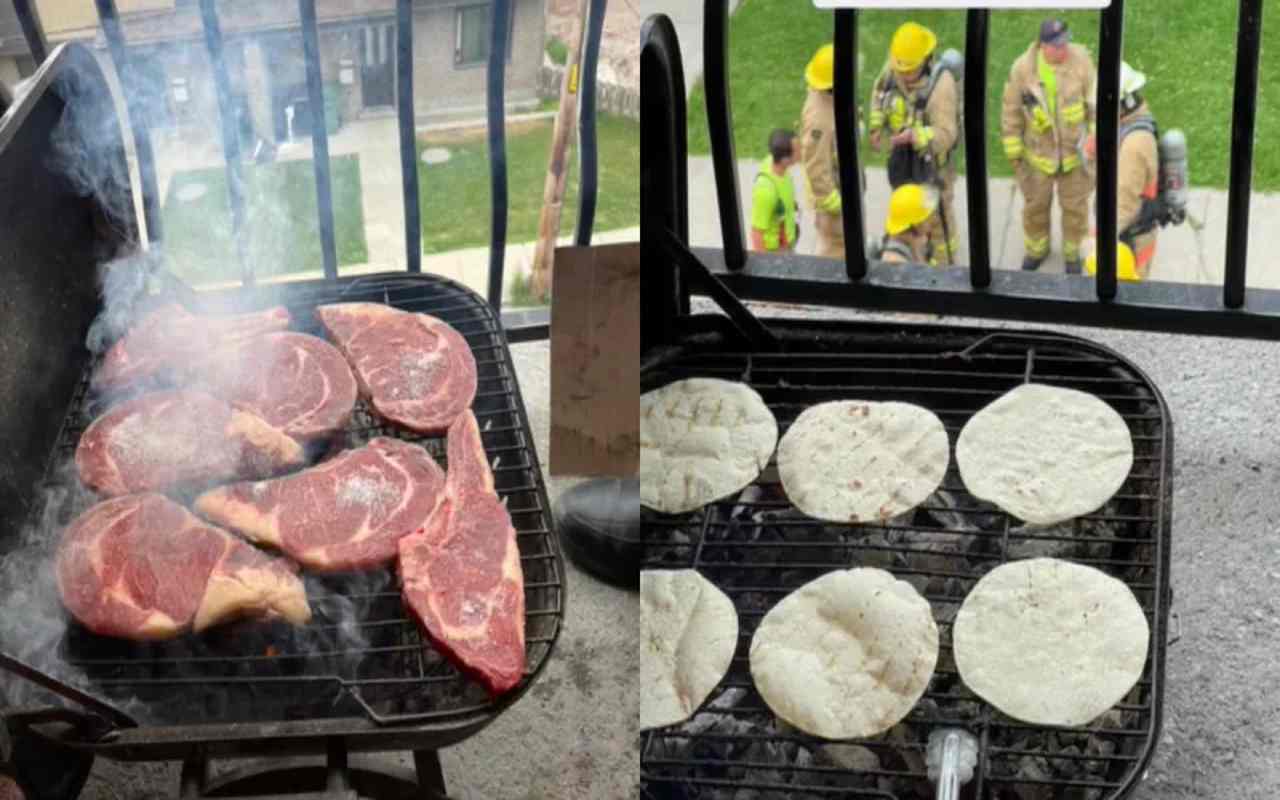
909 225
1048 114
1126 264
818 152
914 105
773 197
1138 186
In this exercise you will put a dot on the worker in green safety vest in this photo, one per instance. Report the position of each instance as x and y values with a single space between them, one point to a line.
773 197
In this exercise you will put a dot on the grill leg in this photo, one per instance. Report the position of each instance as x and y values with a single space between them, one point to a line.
195 775
47 771
430 775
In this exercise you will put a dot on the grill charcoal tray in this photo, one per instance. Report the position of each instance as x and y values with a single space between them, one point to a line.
758 549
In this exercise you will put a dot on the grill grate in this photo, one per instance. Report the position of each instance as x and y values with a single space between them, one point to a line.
361 654
757 549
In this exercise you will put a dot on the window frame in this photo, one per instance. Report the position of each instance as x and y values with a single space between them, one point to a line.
459 13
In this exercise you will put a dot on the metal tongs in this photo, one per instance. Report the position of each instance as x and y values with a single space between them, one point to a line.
951 758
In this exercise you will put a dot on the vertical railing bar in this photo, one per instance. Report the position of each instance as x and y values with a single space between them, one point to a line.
977 38
846 101
1243 119
408 136
230 136
588 152
114 35
715 53
496 97
32 30
319 136
1110 47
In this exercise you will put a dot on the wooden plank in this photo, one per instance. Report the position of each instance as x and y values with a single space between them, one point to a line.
595 361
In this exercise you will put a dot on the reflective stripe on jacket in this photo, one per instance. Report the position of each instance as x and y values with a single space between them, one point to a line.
1048 131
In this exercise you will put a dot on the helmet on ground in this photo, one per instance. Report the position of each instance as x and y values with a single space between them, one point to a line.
910 205
1126 265
821 71
1130 79
911 45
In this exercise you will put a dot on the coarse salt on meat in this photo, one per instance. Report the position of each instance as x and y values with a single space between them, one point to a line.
142 567
416 371
461 573
343 515
179 439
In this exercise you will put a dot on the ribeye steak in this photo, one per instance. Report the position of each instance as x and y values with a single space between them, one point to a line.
415 370
299 384
344 515
179 439
461 573
143 567
171 336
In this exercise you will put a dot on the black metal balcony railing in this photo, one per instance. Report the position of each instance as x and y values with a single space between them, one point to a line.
524 329
1232 310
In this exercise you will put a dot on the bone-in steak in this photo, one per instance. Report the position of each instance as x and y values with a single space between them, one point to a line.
461 573
298 384
171 337
414 369
143 567
344 515
167 440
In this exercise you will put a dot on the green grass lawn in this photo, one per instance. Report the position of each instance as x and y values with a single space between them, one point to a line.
1186 48
455 194
283 225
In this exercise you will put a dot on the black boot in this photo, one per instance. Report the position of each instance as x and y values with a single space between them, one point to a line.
1073 267
1032 263
599 524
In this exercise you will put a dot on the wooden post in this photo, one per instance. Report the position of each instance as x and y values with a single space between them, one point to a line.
558 164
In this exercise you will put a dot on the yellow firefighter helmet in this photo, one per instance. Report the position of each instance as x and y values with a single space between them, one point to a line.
909 206
911 45
1126 264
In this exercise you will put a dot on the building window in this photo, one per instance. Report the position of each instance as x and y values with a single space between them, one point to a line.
471 35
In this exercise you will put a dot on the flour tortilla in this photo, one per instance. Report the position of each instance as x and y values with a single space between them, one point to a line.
700 440
688 633
1050 642
846 655
852 461
1045 454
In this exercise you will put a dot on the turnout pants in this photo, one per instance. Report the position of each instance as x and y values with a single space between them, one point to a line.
830 232
1037 188
933 226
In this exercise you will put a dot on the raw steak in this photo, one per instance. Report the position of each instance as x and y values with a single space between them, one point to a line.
172 337
461 573
143 567
344 515
298 384
179 439
415 370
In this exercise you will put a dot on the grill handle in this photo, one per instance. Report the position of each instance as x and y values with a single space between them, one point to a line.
103 717
952 755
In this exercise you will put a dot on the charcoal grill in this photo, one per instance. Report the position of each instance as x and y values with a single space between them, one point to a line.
756 548
360 676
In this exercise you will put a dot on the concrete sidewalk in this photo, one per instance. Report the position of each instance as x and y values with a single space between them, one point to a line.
1182 256
687 18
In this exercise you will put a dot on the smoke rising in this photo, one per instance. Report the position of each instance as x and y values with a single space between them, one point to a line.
91 149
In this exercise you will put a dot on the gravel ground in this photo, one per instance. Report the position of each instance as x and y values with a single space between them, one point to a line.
572 737
1221 723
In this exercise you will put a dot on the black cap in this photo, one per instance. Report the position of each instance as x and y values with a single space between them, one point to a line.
1054 31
